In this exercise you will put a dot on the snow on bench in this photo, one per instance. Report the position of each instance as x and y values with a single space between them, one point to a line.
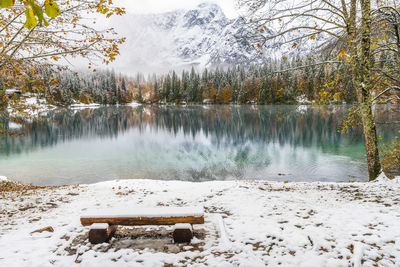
187 226
145 216
103 222
97 226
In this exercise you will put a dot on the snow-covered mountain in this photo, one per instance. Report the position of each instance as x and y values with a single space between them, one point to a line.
202 37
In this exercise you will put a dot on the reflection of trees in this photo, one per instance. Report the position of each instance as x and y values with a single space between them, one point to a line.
62 125
388 114
283 124
225 124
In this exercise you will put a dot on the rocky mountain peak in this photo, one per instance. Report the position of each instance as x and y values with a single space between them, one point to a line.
183 38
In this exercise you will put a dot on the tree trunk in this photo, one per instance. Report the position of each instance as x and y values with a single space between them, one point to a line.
361 78
371 141
3 108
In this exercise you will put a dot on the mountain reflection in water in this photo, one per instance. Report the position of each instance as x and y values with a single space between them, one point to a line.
299 143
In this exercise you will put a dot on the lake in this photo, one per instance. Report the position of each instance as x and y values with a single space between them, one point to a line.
194 143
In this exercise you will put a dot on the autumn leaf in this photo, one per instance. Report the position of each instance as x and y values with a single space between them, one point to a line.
51 8
53 82
284 58
294 45
31 20
312 37
342 53
6 3
39 13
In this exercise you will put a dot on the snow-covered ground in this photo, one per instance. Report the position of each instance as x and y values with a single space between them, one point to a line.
30 106
84 106
247 223
133 104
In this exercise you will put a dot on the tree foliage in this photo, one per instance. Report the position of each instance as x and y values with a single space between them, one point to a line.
68 30
35 35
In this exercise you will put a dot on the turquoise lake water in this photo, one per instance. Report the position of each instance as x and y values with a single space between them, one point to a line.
195 143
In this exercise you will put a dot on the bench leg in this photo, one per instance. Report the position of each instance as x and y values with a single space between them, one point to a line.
101 235
183 233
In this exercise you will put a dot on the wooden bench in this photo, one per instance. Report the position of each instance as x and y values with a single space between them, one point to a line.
104 222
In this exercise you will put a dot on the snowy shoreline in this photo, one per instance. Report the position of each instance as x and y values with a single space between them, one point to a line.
274 223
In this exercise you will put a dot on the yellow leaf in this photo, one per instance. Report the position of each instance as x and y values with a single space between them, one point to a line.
312 37
284 58
31 20
51 8
342 53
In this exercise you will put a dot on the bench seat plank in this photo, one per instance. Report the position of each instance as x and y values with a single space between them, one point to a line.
145 216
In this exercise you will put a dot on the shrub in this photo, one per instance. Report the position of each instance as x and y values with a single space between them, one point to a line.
390 156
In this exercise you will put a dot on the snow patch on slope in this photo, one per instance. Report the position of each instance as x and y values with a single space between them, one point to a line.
383 179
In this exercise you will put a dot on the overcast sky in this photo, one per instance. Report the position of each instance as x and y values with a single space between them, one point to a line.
158 6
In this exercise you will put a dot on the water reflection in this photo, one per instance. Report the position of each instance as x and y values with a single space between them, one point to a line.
189 143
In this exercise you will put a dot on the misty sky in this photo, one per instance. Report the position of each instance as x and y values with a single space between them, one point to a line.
131 51
158 6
